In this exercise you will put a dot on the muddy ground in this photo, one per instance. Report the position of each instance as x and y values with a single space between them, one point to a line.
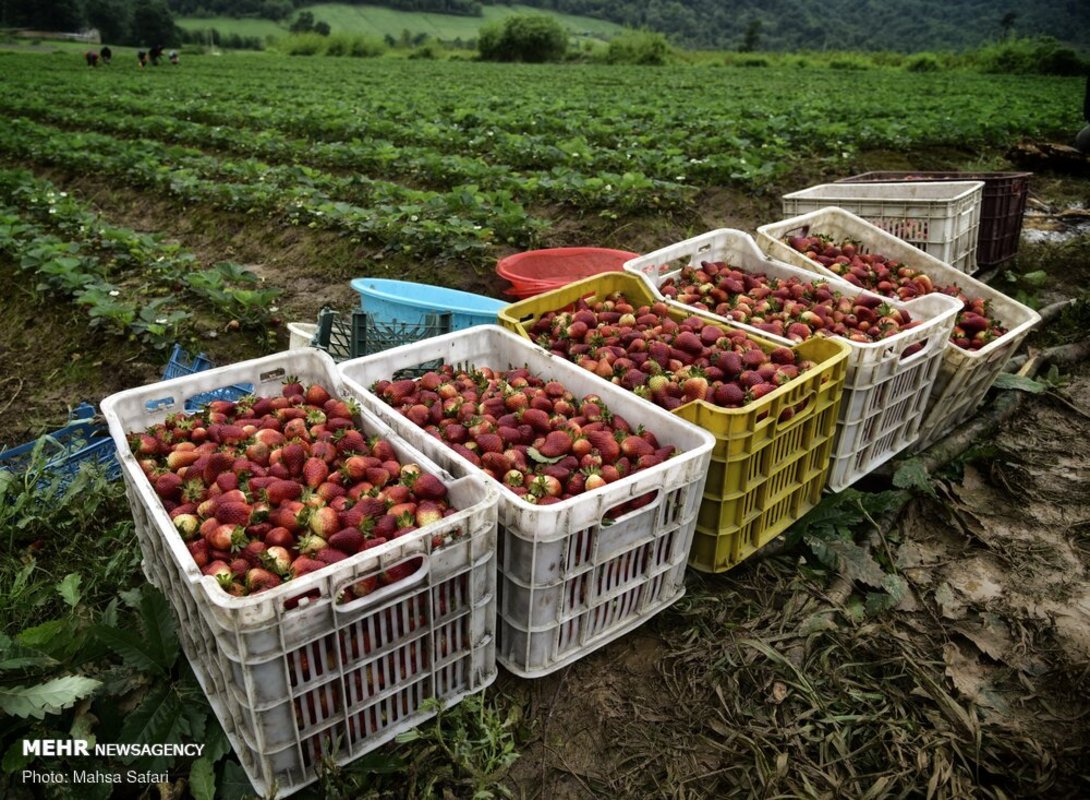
771 680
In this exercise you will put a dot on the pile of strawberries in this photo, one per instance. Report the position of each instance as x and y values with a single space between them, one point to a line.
533 436
791 308
975 326
667 362
266 489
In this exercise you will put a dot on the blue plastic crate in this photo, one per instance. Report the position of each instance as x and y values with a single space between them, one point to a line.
81 440
182 363
393 302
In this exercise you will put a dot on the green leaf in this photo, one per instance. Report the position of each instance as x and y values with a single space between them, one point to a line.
202 779
160 718
14 760
50 697
856 563
153 649
234 785
912 474
1035 279
68 588
132 647
540 459
216 744
1005 380
41 636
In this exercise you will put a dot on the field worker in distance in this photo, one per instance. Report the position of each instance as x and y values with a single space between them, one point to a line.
105 54
156 55
174 57
92 58
142 57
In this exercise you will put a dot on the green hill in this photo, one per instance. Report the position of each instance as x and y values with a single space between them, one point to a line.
379 21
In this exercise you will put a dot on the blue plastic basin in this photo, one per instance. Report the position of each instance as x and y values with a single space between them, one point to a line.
390 301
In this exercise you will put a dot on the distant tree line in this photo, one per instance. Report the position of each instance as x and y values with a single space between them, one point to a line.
135 22
282 9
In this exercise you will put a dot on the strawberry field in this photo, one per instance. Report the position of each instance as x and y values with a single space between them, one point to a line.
923 633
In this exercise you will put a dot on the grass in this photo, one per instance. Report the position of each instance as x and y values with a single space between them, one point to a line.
378 21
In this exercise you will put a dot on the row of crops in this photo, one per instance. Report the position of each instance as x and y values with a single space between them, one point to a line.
452 159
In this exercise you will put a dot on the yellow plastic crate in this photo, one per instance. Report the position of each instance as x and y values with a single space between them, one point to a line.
764 474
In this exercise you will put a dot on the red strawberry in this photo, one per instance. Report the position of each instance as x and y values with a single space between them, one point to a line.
253 552
259 580
328 555
537 419
557 443
217 463
352 441
490 443
294 456
316 395
315 471
428 487
305 565
198 548
349 540
280 490
233 513
383 450
168 486
605 444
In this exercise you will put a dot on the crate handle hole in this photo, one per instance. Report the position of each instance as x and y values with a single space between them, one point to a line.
914 352
628 508
163 402
408 577
272 375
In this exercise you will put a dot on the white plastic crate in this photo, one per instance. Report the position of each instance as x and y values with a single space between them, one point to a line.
941 218
292 679
965 375
570 580
885 394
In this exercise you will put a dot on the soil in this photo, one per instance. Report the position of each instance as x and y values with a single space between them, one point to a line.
762 681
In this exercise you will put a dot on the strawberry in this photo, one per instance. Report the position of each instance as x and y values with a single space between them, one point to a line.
253 552
294 457
605 444
304 565
329 555
316 395
168 486
277 559
198 548
427 513
259 580
181 458
217 463
348 540
233 513
279 491
323 521
227 538
537 419
556 444
429 487
314 472
187 525
352 441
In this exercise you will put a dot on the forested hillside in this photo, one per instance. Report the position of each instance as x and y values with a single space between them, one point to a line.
909 25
